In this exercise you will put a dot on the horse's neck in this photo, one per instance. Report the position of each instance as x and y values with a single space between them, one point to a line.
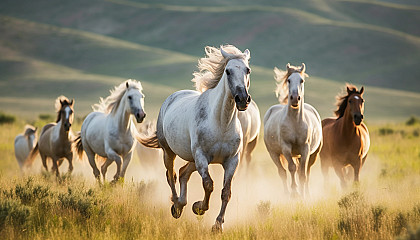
347 125
296 115
222 103
61 132
121 117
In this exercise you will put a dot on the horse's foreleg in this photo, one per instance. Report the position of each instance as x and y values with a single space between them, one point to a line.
303 162
202 165
184 175
356 167
55 166
44 161
230 168
287 153
126 161
281 170
113 156
70 159
339 171
312 159
248 151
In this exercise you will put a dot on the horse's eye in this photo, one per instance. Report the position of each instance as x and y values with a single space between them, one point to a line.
301 80
227 72
129 97
349 101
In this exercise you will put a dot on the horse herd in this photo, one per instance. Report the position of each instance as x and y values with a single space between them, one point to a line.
217 123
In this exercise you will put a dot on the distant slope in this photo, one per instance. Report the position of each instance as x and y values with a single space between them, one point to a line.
40 62
355 41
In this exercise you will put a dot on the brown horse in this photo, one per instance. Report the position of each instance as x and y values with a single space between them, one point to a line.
55 140
346 138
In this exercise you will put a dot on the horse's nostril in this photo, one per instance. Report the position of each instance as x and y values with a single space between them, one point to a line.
291 97
361 116
144 115
248 100
237 98
298 98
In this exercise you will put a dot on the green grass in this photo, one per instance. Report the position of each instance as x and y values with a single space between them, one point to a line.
385 205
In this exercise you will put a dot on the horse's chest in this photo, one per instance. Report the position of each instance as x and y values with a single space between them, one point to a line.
121 144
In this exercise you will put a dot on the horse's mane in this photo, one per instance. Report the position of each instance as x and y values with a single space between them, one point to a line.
212 66
29 130
342 100
281 76
111 103
59 106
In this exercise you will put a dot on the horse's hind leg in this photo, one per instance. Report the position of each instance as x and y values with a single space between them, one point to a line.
70 159
112 155
126 161
249 149
312 159
104 168
201 163
184 175
55 166
91 157
168 158
281 170
44 161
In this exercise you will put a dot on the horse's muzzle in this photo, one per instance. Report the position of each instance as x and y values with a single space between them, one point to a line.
67 126
358 118
242 101
140 115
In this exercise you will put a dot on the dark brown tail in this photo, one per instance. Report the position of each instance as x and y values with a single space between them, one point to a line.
31 157
78 146
148 141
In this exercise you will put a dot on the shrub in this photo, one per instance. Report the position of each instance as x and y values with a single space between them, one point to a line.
6 118
46 117
412 121
82 202
28 193
12 211
385 131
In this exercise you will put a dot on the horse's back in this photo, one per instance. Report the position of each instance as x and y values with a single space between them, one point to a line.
92 131
175 116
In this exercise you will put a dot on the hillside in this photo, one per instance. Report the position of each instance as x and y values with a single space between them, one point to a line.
82 49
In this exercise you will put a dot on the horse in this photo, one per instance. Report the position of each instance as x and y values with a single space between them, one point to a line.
251 124
109 131
56 139
292 129
24 143
202 126
346 137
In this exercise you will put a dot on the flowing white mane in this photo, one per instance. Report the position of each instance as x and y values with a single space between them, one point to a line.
212 66
110 103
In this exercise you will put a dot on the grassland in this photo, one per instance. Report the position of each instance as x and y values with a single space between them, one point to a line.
385 205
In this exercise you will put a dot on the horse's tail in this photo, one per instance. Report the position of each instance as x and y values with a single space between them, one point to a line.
150 141
78 146
31 157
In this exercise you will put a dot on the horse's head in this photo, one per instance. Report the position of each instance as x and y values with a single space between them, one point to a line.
67 113
295 84
237 72
30 132
135 99
355 104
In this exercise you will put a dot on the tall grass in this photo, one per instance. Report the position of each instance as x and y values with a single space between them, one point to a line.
385 205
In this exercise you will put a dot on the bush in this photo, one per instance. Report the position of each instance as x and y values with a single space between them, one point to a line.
6 118
46 117
412 121
385 131
12 211
82 202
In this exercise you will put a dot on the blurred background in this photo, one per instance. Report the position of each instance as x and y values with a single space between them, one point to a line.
81 49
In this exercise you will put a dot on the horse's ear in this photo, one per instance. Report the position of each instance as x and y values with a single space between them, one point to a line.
348 90
288 67
62 102
127 85
303 68
72 102
247 54
225 54
362 90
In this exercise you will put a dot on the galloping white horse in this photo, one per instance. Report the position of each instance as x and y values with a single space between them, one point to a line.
109 131
202 126
251 124
24 143
292 129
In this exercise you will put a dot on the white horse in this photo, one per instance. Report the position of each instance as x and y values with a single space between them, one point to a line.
24 143
293 129
109 131
250 124
202 126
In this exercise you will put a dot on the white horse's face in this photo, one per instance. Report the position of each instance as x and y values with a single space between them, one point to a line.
238 75
295 82
135 101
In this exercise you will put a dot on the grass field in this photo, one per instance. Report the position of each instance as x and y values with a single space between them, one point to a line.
385 205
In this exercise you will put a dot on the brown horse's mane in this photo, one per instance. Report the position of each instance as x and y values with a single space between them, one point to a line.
343 99
60 103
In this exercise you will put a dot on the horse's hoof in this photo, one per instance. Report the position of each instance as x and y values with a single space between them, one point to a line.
197 208
217 228
176 213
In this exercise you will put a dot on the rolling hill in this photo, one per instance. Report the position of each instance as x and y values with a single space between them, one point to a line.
83 48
